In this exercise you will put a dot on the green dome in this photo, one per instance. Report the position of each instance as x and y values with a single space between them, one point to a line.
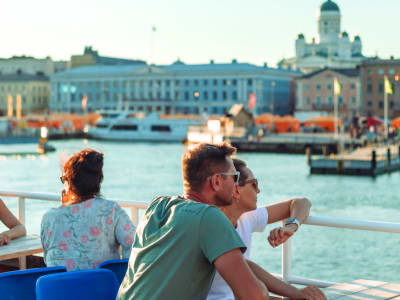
300 36
357 38
329 6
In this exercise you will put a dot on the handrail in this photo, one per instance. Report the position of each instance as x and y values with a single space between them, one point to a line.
286 249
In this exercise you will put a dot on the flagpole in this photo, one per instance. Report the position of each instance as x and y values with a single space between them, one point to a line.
335 108
385 108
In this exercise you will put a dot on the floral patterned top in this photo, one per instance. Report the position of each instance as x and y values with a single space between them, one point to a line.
82 235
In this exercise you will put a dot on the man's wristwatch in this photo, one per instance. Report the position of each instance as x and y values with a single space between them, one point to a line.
292 221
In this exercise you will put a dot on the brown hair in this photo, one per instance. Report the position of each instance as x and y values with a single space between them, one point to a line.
84 173
202 161
240 165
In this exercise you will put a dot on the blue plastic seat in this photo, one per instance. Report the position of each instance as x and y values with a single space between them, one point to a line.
96 284
117 266
21 284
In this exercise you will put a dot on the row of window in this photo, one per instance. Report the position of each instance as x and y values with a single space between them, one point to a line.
329 86
224 95
10 88
155 83
328 101
381 71
38 100
381 104
381 87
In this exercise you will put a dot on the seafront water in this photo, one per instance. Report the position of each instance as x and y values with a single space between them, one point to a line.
141 171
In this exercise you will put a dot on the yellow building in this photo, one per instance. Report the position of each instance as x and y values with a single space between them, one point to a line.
33 90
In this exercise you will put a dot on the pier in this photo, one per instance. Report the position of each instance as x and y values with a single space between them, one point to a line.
297 143
367 161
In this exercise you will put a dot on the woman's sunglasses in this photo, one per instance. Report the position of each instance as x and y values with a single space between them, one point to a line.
253 182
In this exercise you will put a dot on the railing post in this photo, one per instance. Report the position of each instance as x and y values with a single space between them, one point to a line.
21 210
286 261
135 215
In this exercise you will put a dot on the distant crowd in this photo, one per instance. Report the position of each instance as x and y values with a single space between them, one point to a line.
193 246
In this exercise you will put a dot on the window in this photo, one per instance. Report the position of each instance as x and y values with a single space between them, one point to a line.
186 95
196 82
215 95
177 96
162 128
224 95
353 100
329 86
391 71
391 104
167 95
234 82
234 95
177 82
380 104
249 82
381 72
369 88
340 100
150 83
318 101
369 103
224 82
186 82
90 85
205 95
124 127
329 100
306 87
380 87
115 84
167 82
97 96
370 72
318 87
205 82
307 100
215 82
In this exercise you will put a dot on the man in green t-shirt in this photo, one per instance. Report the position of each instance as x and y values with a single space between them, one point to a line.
180 241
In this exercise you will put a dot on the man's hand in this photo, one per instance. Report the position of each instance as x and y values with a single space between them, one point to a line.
4 239
280 235
312 293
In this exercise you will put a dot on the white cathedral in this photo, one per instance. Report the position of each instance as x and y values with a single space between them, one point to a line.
332 48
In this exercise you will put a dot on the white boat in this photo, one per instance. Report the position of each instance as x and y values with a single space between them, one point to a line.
129 126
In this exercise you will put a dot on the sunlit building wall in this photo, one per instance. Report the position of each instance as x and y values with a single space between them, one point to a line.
173 89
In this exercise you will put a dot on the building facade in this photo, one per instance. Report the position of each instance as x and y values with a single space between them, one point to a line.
172 89
33 90
31 65
331 48
372 73
91 57
315 91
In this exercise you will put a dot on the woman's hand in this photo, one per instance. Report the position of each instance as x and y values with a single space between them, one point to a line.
280 235
4 239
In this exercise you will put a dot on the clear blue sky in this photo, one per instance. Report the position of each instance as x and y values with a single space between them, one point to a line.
255 31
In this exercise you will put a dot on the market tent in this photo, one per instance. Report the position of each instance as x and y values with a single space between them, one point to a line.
279 124
396 122
327 123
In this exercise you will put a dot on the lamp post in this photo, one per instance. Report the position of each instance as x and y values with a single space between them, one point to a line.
272 104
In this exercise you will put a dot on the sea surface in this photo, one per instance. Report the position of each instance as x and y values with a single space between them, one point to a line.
141 171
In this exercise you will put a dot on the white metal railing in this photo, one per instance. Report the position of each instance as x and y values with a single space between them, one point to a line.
286 249
336 223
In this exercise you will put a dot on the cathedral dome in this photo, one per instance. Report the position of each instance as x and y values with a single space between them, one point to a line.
329 6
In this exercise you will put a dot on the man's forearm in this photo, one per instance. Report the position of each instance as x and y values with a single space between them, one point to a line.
273 284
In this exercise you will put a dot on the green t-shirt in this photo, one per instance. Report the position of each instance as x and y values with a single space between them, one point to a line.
175 245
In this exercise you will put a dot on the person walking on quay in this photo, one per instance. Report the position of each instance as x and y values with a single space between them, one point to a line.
180 241
15 228
86 229
247 218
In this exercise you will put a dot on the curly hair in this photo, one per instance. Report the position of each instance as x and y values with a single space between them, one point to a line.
84 173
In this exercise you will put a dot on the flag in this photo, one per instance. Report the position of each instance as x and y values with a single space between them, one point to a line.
84 101
388 87
336 87
252 100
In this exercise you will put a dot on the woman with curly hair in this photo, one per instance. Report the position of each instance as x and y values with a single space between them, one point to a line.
86 229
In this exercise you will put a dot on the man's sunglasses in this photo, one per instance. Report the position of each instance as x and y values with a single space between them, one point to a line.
253 182
236 175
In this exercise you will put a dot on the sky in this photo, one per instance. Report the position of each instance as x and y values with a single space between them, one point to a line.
254 31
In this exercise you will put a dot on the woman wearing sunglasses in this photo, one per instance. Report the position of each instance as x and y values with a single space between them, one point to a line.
247 218
86 229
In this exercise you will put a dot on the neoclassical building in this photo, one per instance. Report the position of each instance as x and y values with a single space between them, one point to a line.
331 48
